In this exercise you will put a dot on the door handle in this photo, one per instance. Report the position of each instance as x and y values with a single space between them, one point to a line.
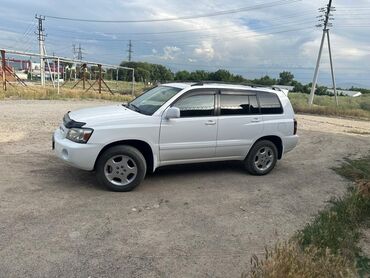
210 122
256 120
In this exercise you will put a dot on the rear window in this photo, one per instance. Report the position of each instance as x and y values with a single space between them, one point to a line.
270 103
239 104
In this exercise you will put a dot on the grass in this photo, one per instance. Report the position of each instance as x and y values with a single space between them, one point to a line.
119 87
47 93
66 92
328 246
358 107
289 260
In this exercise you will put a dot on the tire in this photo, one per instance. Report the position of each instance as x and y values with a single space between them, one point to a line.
262 158
121 168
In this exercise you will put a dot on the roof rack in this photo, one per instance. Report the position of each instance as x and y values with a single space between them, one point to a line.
201 83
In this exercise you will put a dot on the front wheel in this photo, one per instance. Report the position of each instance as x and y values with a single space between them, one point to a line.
262 158
121 168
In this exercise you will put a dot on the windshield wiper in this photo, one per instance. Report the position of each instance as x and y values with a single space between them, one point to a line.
137 109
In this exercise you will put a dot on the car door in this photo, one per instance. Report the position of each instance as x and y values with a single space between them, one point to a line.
193 135
239 123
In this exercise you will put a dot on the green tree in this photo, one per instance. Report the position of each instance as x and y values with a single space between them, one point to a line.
298 87
265 80
182 75
146 72
238 78
321 90
286 78
199 75
221 75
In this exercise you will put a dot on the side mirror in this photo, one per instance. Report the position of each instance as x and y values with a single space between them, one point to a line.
173 112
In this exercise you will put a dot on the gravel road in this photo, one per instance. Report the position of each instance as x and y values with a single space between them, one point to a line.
182 221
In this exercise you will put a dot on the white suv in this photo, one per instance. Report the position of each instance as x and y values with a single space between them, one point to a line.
178 123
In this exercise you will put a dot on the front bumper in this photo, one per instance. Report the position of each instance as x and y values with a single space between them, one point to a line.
82 156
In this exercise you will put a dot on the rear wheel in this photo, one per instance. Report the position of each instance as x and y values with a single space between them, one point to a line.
262 158
121 168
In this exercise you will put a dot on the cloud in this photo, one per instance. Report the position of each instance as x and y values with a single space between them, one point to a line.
205 51
170 52
251 43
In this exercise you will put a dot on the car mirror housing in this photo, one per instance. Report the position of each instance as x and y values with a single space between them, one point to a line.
173 112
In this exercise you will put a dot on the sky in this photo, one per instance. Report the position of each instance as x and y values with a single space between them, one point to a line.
259 38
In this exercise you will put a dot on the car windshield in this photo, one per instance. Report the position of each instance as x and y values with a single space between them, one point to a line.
152 100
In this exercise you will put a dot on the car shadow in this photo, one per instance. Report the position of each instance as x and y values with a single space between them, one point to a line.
207 168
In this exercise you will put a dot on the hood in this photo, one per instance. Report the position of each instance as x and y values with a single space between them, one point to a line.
104 115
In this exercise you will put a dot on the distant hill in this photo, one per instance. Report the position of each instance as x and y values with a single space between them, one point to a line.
349 85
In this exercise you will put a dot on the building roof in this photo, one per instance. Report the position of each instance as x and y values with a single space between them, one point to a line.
346 93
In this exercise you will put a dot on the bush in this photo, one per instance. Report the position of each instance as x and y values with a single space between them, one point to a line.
365 106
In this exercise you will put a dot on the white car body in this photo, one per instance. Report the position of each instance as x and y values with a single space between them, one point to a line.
178 140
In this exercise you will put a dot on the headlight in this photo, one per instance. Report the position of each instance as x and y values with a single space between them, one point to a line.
79 135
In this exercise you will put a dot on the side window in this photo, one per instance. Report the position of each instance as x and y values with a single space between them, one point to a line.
239 105
270 103
196 106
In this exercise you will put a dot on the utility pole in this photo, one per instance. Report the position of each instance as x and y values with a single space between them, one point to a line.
41 38
325 19
129 51
49 68
74 50
79 52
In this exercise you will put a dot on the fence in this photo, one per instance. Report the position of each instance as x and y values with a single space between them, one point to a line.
61 72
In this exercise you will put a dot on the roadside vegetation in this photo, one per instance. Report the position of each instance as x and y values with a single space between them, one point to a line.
358 107
329 245
149 74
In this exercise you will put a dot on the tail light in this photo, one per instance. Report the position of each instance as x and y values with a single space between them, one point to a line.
295 127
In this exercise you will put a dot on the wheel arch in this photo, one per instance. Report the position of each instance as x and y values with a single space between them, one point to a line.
274 139
145 149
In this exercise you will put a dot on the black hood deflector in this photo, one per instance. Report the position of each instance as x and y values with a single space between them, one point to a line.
69 123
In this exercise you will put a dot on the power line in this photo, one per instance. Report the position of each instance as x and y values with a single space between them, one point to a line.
26 34
233 34
275 20
224 12
198 44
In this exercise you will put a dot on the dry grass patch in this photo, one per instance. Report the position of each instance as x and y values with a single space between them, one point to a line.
290 260
50 93
358 107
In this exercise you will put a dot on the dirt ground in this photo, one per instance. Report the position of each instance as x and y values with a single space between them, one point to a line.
184 221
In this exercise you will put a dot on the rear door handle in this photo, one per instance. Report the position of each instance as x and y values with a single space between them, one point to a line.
210 122
256 120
